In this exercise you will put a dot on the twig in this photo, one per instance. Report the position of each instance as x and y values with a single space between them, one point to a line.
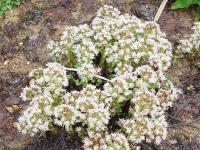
72 69
171 146
98 76
184 124
189 123
103 78
160 10
178 110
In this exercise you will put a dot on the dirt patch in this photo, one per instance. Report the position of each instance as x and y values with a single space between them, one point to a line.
24 33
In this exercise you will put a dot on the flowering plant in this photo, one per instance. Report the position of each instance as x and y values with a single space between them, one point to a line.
191 44
107 84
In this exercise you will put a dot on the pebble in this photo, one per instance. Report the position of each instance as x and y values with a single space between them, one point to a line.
173 141
6 62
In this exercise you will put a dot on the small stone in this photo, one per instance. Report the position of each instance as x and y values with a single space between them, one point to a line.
175 14
9 109
15 124
14 108
198 64
6 62
21 43
173 141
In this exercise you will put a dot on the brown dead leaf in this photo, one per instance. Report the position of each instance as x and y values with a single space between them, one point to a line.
14 108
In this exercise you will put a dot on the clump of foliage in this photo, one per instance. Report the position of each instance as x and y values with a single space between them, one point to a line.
7 5
186 4
107 84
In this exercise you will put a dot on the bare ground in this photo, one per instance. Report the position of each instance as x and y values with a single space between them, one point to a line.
24 33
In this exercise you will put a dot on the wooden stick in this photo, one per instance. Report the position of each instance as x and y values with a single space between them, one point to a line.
160 10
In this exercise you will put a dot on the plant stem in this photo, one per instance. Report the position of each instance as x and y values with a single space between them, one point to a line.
98 76
160 10
102 59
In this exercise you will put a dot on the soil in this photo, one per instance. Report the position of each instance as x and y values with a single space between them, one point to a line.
24 34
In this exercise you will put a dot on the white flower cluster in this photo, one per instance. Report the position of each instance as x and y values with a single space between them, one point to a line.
34 121
143 128
46 91
134 55
193 42
88 108
119 91
113 141
156 83
78 47
121 41
128 40
149 94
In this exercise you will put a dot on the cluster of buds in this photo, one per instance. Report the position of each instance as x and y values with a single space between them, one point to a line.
192 43
133 54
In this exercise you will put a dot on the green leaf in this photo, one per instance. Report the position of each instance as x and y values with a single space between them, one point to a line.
77 82
129 97
98 82
70 77
184 3
118 109
117 106
169 77
198 13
